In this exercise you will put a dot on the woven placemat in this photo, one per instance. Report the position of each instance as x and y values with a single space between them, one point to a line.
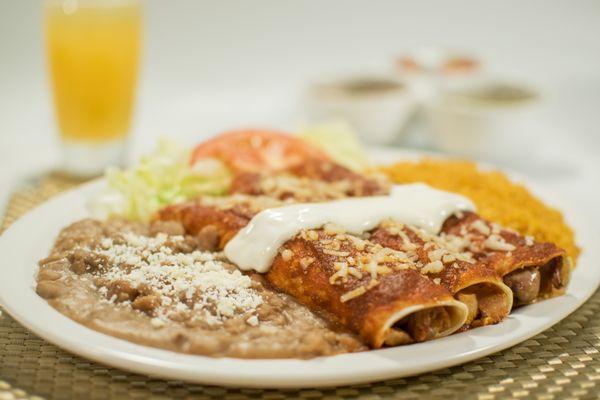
563 362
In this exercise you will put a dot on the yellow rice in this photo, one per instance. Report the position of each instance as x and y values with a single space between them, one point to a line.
497 198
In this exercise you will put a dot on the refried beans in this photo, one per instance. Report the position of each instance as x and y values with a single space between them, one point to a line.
154 285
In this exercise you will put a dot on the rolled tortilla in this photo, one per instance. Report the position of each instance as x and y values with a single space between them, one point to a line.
473 282
381 297
532 270
386 303
218 217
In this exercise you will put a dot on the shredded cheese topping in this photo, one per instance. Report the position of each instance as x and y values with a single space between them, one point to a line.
441 251
304 189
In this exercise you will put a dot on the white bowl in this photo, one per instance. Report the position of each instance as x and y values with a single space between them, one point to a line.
377 107
487 120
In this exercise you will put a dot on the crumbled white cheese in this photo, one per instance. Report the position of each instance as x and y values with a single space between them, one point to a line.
437 254
481 227
336 253
496 228
252 321
497 242
359 291
340 274
433 267
287 254
407 245
448 258
305 262
157 322
198 279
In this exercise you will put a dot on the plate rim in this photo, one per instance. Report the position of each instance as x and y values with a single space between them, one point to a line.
367 366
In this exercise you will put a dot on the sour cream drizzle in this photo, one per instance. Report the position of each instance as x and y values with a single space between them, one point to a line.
256 245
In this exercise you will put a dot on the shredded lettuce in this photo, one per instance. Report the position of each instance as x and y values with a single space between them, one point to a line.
339 141
160 178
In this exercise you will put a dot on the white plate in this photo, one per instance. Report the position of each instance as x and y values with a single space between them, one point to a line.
31 237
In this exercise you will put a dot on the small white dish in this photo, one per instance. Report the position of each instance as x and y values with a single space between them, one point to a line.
485 119
377 107
31 237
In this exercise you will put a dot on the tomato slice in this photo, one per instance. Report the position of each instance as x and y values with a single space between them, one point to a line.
254 150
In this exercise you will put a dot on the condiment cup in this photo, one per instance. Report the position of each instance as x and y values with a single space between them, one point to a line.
488 120
377 107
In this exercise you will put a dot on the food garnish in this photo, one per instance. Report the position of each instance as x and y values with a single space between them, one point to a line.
160 178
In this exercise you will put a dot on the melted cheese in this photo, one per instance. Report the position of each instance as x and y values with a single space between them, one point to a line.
255 246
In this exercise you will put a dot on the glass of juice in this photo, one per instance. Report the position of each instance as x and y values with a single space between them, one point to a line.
93 50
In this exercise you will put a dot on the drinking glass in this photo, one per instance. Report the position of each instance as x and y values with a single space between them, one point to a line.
93 49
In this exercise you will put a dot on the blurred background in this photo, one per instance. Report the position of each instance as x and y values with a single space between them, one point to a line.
208 66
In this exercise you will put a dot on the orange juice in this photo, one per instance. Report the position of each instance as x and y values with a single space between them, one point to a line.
93 48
